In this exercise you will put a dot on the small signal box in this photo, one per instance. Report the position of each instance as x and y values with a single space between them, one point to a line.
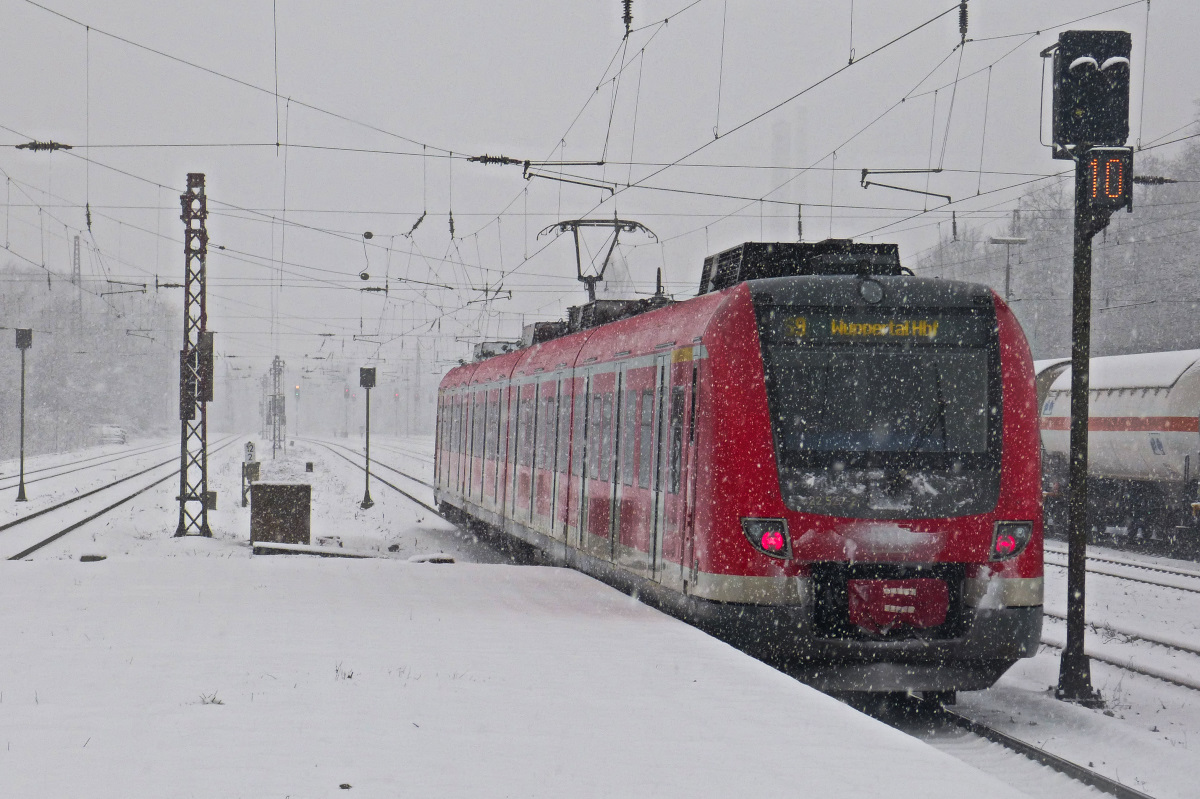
366 377
24 338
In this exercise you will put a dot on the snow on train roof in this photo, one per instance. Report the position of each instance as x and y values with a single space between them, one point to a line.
1042 365
1143 370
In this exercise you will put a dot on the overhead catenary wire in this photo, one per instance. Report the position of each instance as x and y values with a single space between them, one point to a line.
525 191
983 130
217 73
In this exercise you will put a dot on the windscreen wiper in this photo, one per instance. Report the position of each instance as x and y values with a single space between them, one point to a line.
935 418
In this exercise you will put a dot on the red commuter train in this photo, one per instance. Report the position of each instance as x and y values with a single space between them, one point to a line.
821 458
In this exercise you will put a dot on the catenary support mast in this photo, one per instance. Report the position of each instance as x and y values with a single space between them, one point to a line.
195 366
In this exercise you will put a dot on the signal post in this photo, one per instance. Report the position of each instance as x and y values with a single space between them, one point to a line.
1090 126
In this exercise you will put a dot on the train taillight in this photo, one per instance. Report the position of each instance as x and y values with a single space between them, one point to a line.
1009 539
769 536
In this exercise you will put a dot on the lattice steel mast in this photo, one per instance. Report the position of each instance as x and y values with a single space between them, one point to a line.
195 366
278 415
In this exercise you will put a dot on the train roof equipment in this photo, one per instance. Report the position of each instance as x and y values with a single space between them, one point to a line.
754 260
751 260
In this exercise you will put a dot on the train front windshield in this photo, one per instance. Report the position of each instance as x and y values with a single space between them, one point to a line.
884 414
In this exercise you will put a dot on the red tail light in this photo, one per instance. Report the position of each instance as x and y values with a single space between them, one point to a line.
768 536
1009 539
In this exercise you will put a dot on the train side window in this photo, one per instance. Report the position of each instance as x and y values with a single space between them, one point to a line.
468 398
458 422
629 420
563 428
468 421
521 423
525 430
485 424
510 454
453 424
578 420
606 437
645 446
441 428
478 419
463 430
545 432
676 444
594 436
493 434
499 423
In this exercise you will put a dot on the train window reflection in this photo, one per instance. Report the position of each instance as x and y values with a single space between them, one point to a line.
876 401
885 426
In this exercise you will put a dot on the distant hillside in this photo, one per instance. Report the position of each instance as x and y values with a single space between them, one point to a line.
1145 268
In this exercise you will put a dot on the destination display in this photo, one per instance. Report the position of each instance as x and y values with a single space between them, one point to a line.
957 327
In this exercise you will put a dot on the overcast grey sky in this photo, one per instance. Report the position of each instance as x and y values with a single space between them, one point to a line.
373 98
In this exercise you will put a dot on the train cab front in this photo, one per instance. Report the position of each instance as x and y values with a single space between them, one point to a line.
907 506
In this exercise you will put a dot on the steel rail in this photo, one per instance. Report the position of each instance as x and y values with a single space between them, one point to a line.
1154 567
1182 646
390 485
117 457
419 456
1119 576
1145 671
75 526
1066 767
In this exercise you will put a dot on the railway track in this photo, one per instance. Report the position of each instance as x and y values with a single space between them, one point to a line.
11 481
409 453
942 727
334 450
1039 755
1189 580
1111 566
42 541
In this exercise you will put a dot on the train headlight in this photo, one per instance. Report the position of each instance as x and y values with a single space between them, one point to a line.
768 536
1009 539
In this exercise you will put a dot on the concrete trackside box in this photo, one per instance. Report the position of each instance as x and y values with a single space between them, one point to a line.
281 513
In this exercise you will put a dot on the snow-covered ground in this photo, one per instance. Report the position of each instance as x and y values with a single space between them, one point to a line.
189 667
1148 735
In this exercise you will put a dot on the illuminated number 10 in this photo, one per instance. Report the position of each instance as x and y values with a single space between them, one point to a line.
1114 178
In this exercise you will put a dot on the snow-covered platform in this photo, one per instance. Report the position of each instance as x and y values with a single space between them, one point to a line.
295 676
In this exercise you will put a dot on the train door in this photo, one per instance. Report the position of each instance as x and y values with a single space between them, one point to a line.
526 428
690 476
677 454
463 435
481 444
468 459
498 453
662 371
487 492
598 524
576 499
453 405
510 457
562 449
439 450
633 536
543 500
614 477
475 444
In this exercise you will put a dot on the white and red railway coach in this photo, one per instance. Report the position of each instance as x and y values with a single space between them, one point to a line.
1143 441
838 466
